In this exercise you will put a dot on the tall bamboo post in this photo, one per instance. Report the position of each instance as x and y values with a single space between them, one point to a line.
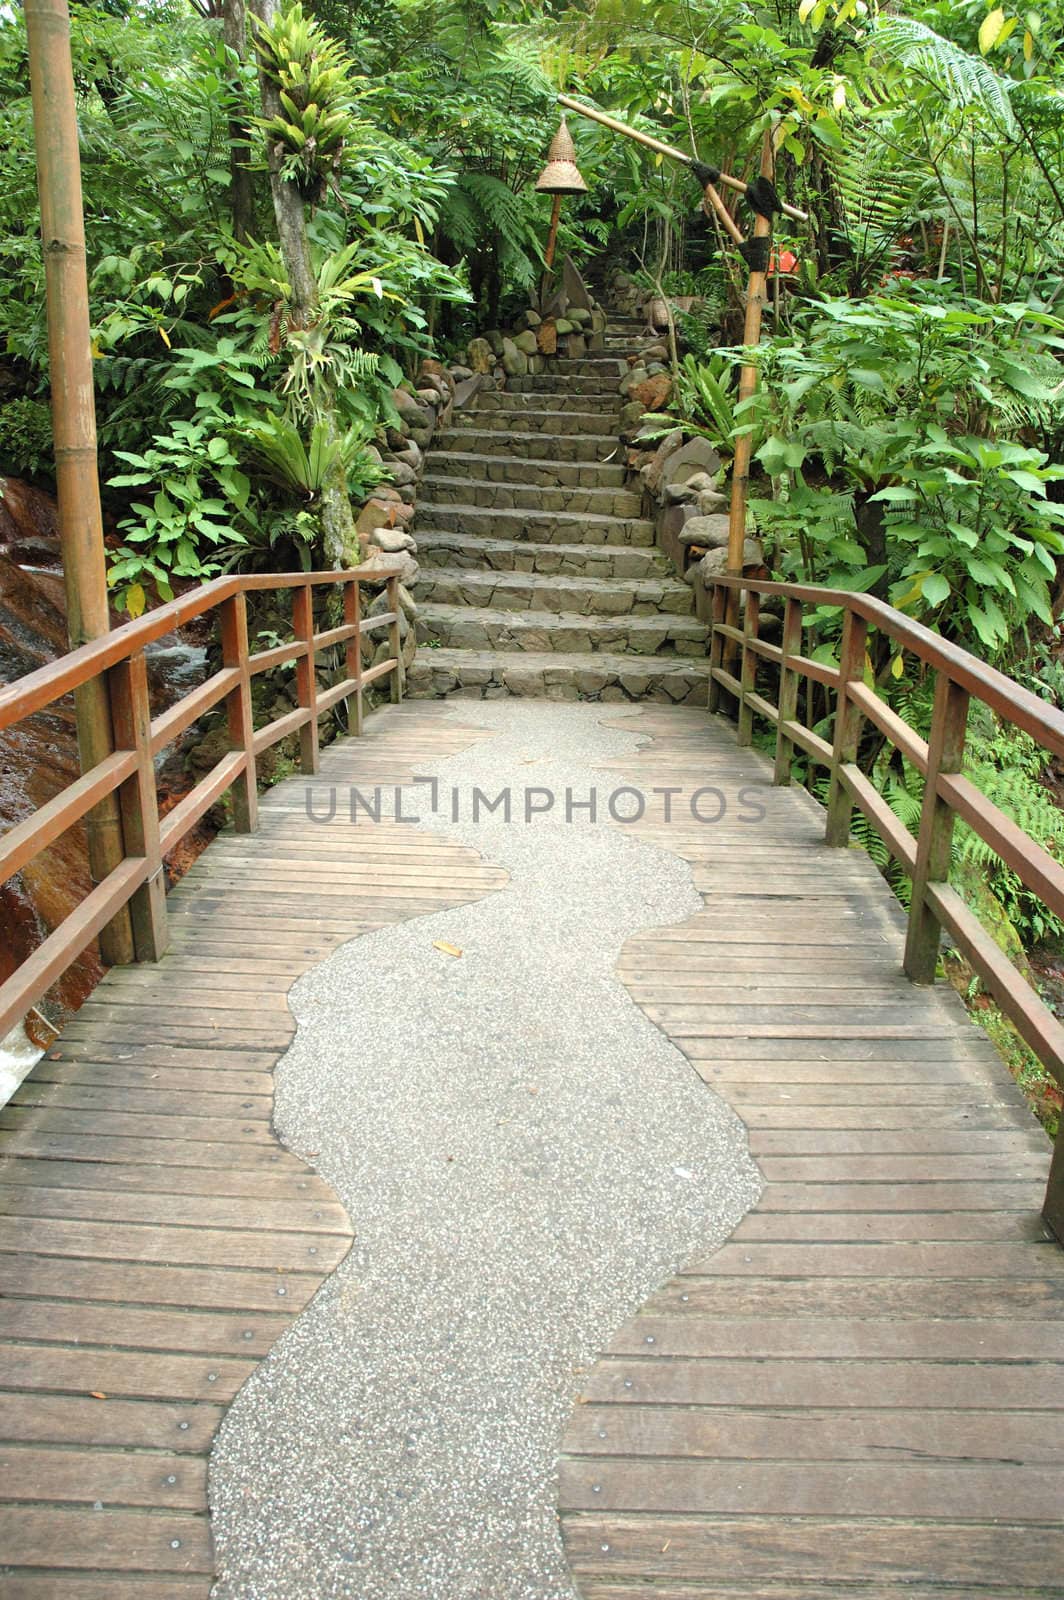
55 131
756 295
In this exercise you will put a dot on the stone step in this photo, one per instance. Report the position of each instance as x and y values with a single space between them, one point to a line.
536 527
503 468
443 490
546 400
493 674
562 383
589 447
561 594
458 627
439 548
534 419
597 364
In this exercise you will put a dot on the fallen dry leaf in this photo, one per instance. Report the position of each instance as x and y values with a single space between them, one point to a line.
97 1395
448 949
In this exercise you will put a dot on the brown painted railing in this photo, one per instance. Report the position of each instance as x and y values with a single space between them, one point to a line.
948 794
137 880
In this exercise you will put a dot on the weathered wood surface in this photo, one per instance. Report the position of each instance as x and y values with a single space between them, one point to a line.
860 1393
155 1240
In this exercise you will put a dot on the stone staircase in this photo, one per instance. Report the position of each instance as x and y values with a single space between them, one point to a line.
539 575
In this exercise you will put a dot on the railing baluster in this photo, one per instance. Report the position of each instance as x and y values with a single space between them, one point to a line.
306 680
138 803
353 654
1053 1209
748 666
848 724
788 699
716 643
238 712
395 644
945 753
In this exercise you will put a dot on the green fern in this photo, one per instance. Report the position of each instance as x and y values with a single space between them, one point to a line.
964 79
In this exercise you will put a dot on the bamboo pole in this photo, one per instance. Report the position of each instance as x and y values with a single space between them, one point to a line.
756 294
664 149
55 131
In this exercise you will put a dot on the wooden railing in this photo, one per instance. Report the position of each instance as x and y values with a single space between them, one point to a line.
737 652
137 880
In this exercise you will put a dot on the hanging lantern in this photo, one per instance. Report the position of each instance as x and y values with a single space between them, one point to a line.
561 175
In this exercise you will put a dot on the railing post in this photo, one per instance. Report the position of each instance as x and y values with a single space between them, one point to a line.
353 653
748 667
395 643
788 697
1053 1209
138 803
716 643
306 681
238 713
848 722
945 753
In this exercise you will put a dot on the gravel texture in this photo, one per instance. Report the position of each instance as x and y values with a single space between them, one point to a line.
525 1158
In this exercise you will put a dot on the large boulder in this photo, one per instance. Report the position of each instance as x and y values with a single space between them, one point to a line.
576 294
526 342
514 361
709 532
697 455
716 562
393 540
653 393
415 415
652 473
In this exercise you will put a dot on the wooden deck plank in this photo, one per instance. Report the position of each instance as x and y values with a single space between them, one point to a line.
155 1240
859 1393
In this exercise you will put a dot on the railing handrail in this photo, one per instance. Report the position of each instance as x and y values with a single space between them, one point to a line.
49 683
948 794
132 883
1009 699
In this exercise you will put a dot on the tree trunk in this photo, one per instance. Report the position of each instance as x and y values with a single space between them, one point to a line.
337 522
241 194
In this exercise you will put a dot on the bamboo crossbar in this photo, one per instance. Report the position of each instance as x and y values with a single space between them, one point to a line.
662 149
118 661
948 794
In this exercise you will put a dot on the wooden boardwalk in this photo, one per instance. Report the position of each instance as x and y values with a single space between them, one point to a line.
860 1393
155 1240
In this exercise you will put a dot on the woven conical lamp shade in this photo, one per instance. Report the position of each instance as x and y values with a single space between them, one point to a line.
561 175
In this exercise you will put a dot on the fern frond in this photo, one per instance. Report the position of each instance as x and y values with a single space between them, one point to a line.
965 79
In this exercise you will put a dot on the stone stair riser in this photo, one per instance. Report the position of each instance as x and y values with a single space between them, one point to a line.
543 400
510 496
536 527
588 447
605 562
466 628
560 383
476 675
536 420
562 594
507 469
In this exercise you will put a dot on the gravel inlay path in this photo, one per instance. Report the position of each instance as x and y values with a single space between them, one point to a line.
525 1158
